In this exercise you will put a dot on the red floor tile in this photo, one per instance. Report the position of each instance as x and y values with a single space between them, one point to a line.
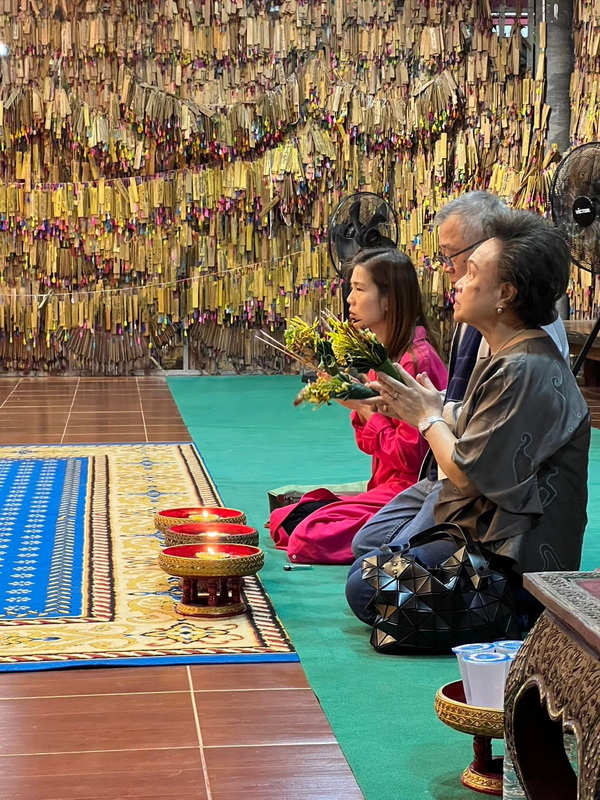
22 438
96 438
163 431
281 773
78 414
247 676
182 439
149 774
96 722
72 682
76 425
30 406
237 718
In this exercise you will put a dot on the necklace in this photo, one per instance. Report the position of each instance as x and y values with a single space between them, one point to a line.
525 333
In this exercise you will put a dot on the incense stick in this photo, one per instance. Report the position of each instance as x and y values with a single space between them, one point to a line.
268 340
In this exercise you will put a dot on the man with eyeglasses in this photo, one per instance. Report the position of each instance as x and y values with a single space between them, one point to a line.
464 224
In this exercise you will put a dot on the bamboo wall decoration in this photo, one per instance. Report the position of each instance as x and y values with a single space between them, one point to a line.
171 165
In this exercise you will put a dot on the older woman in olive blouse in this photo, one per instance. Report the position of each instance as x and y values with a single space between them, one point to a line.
514 454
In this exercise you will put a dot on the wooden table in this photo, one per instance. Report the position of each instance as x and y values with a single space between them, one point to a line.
578 331
554 686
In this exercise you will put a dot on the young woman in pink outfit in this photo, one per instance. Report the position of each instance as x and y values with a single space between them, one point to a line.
385 297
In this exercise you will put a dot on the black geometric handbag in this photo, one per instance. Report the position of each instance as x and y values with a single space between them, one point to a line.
431 609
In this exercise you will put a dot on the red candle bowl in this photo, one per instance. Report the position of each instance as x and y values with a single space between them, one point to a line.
211 560
182 516
210 532
212 576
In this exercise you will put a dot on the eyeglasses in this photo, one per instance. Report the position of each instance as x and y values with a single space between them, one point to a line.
449 259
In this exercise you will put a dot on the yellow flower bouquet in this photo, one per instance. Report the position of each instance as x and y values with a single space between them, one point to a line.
359 349
334 387
303 340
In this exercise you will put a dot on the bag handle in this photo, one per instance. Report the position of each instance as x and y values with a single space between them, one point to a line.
478 559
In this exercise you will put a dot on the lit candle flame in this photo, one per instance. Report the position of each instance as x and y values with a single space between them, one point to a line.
203 516
211 554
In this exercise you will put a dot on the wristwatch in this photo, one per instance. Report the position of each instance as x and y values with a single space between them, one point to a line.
427 422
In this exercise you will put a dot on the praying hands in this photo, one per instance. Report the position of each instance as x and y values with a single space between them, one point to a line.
419 403
413 400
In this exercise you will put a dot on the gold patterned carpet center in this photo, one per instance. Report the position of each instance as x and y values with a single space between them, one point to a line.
79 562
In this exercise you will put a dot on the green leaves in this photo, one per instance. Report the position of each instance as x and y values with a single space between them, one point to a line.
336 387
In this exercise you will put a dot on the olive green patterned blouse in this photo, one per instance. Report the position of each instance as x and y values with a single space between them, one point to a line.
523 441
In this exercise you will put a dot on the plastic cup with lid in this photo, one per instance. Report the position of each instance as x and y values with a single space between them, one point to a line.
509 646
463 650
487 677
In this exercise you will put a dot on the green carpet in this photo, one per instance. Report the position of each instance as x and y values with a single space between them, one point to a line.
591 545
380 707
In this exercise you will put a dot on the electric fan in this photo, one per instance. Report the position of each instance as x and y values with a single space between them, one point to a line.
361 220
575 205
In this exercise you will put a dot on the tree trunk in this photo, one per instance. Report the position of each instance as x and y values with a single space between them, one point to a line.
559 66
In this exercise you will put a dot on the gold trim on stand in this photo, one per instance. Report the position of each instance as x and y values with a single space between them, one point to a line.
210 611
162 523
482 783
172 539
484 774
211 568
475 720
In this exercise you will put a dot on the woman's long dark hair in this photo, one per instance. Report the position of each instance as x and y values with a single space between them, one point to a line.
396 278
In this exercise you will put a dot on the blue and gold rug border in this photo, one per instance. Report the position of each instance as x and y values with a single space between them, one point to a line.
223 658
268 642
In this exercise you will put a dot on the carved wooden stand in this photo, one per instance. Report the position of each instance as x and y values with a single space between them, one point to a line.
211 597
554 686
484 774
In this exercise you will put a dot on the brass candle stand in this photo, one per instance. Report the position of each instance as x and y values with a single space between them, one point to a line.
210 533
212 576
202 514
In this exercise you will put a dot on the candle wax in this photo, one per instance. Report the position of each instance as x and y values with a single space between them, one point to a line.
212 556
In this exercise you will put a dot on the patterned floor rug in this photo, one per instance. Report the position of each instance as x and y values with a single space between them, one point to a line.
79 577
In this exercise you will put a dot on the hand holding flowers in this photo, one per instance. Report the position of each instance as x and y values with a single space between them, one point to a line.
350 348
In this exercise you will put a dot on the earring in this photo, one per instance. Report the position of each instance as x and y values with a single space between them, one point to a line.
500 309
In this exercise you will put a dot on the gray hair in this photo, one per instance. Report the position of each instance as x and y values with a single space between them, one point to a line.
478 211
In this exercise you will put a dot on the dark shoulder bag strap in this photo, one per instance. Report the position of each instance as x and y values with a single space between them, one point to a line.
462 538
